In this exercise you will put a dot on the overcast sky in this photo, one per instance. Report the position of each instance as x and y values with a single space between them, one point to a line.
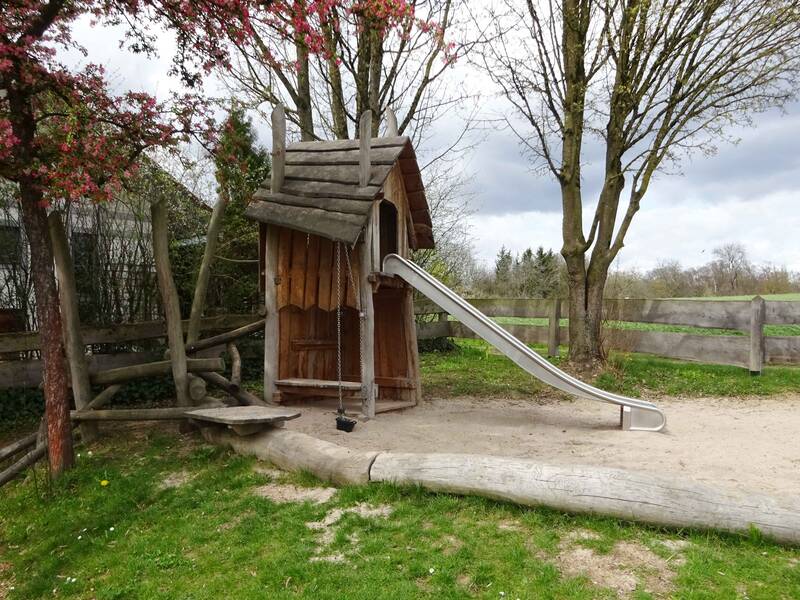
746 193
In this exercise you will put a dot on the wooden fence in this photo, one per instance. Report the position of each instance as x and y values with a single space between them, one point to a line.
17 370
751 351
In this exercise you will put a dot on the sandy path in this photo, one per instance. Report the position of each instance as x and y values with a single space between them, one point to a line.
747 444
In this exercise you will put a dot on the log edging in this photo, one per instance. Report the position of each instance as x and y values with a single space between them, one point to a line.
618 493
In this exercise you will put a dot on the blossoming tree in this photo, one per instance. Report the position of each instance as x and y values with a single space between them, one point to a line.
64 136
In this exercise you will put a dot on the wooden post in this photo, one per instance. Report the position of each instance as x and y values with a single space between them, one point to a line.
236 365
391 123
364 143
204 273
412 349
169 299
73 340
758 314
278 149
367 322
554 328
271 318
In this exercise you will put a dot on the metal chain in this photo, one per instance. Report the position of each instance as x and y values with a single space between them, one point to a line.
339 325
361 316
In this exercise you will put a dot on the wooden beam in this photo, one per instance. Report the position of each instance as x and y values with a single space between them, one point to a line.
364 145
277 168
367 324
412 349
344 227
333 145
342 205
758 312
224 338
554 327
271 321
629 495
236 365
68 297
239 394
154 369
391 123
18 446
172 413
104 397
23 463
170 301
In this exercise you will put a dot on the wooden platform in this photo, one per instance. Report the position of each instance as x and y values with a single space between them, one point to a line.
244 420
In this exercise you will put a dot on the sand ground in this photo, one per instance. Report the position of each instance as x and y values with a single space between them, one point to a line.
750 444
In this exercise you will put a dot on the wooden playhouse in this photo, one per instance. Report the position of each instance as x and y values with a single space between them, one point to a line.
335 324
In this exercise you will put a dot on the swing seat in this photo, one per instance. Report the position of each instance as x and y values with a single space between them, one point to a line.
317 387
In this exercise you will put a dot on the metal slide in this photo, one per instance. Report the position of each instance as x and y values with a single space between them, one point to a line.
638 415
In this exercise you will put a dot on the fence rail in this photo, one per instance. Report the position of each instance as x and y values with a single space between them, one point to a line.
16 370
750 351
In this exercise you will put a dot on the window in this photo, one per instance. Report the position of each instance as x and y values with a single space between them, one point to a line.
10 245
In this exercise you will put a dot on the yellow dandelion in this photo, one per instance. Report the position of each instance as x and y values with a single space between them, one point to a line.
104 482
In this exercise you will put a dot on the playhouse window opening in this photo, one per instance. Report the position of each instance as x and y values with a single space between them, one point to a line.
388 229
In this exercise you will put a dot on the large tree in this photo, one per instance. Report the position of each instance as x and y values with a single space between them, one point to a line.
639 83
65 137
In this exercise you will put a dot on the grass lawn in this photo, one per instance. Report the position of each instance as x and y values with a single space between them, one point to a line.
474 368
179 519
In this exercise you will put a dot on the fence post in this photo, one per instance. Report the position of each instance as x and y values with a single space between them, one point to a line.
554 327
758 312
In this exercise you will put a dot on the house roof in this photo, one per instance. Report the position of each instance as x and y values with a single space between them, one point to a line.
321 193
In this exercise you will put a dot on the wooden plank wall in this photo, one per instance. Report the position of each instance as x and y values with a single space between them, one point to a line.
307 272
718 349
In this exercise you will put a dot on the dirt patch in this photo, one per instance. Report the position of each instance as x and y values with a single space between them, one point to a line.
510 525
327 529
286 492
6 580
628 567
587 433
235 521
268 471
450 544
175 480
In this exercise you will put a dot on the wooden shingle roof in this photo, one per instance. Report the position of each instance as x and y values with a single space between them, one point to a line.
321 193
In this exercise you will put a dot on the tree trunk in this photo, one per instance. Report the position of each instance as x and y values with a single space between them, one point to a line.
48 315
305 110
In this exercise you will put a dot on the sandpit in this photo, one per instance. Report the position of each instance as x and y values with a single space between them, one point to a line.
747 444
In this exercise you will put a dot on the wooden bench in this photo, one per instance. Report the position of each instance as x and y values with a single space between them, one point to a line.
244 420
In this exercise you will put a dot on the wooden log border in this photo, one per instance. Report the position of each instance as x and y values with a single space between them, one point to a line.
629 495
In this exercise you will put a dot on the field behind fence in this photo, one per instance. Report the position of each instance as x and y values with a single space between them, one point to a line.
720 331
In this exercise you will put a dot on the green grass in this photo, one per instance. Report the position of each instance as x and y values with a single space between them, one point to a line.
475 369
213 537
